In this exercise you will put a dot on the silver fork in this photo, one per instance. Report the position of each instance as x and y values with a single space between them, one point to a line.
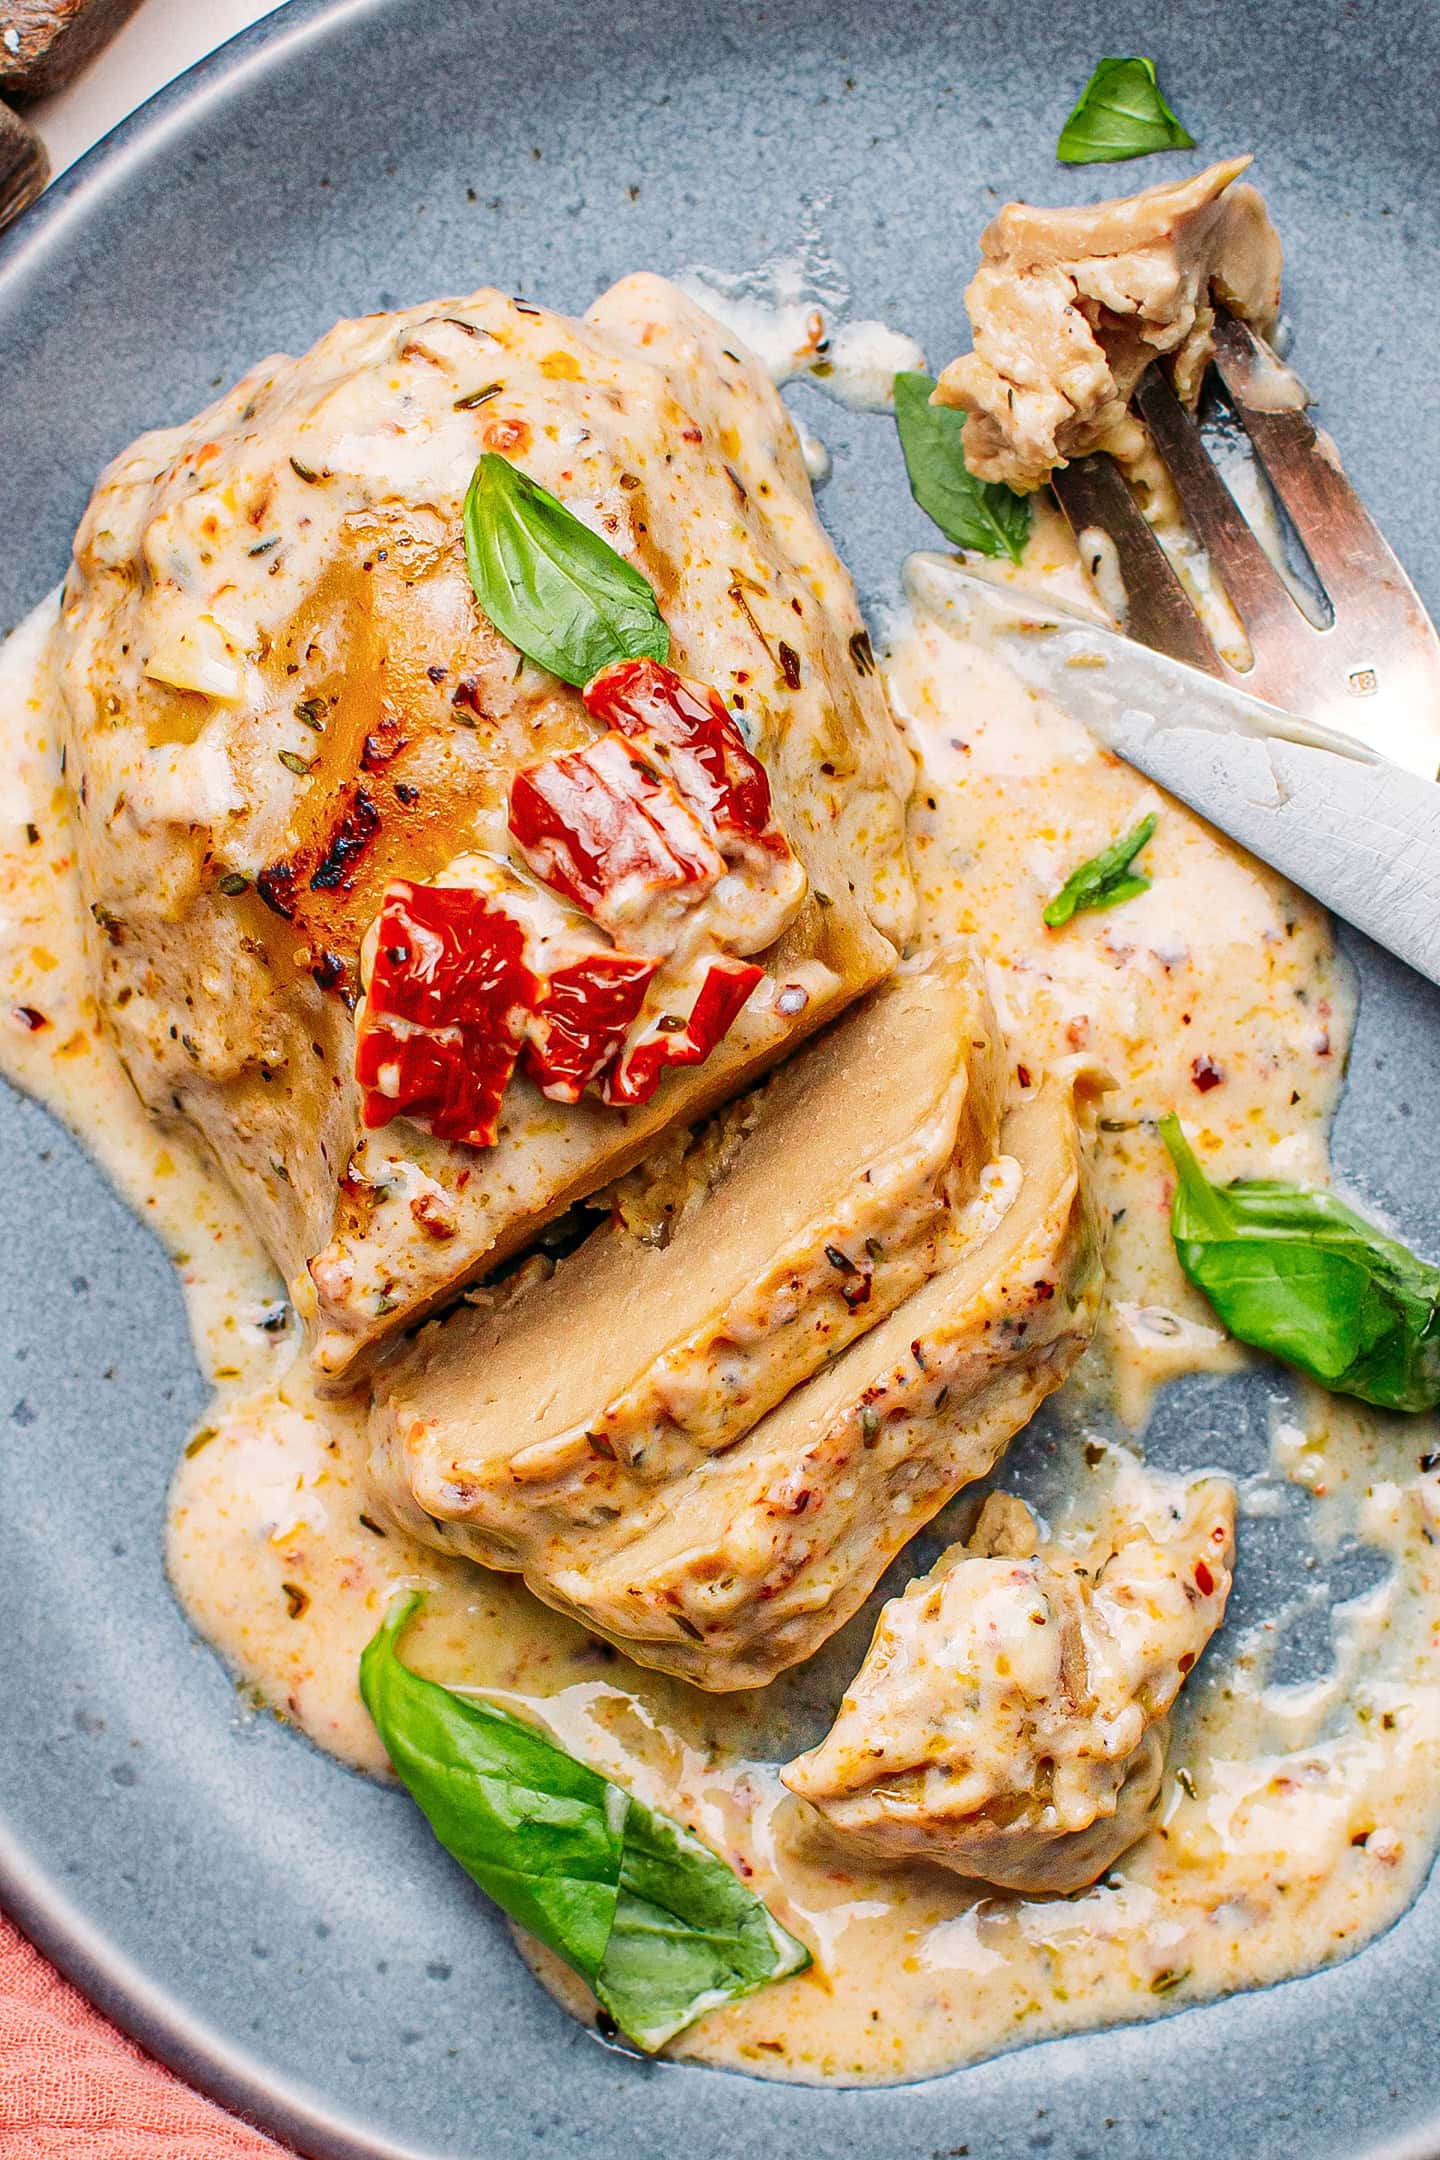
1373 670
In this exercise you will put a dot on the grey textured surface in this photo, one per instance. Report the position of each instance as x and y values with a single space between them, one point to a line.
244 1902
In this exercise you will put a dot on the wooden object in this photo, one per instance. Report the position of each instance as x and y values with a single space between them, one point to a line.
45 43
24 167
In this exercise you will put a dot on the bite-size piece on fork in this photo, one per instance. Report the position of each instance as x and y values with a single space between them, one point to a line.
1011 1716
1093 329
1069 307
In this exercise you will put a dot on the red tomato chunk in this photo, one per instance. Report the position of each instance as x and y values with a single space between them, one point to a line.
688 730
445 1011
582 1020
725 987
604 828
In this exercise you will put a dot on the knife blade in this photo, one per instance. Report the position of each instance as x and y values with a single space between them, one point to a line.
1361 834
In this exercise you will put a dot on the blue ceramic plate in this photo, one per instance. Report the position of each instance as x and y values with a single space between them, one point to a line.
284 1933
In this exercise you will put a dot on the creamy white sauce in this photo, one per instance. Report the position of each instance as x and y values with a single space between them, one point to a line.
1296 1819
792 314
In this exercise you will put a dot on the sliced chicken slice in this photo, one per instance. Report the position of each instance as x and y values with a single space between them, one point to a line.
747 1561
838 1203
1069 307
1010 1719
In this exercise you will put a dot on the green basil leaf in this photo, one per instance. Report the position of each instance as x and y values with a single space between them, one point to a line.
1121 114
657 1926
554 588
1105 880
1292 1270
977 514
688 1935
537 1830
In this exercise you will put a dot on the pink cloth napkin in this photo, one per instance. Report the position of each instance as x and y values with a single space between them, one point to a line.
73 2088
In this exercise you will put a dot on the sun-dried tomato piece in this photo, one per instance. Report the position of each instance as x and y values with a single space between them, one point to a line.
686 726
635 830
455 1087
445 1013
605 828
580 1024
671 1039
447 954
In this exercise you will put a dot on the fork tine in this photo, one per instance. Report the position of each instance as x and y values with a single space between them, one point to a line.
1253 585
1382 649
1342 540
1093 496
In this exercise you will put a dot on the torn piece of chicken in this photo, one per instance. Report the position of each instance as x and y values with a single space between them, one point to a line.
745 1561
1069 307
283 706
1011 1716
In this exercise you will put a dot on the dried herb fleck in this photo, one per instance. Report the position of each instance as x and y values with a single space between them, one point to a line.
862 653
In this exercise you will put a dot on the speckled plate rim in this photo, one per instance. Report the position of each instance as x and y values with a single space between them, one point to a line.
82 1952
151 2015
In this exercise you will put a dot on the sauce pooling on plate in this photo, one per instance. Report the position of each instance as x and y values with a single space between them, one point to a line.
1298 1815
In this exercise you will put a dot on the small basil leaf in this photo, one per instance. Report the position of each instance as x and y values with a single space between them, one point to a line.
1105 880
1294 1271
1121 114
554 588
656 1925
977 514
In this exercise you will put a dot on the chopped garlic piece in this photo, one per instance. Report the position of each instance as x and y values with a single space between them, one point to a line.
200 656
